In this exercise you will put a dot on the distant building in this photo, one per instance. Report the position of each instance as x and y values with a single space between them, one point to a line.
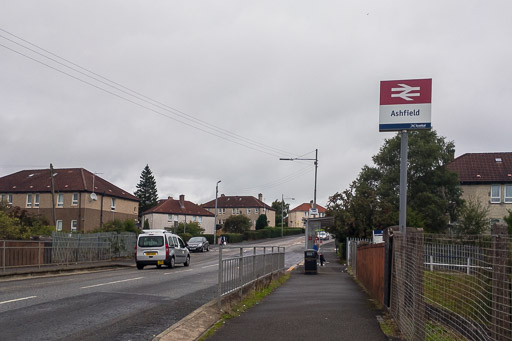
246 205
169 213
296 216
83 201
487 178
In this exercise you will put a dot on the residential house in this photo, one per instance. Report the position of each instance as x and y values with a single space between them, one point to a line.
81 200
246 205
487 178
169 213
298 214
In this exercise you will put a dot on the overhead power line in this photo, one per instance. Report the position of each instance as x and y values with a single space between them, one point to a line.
132 96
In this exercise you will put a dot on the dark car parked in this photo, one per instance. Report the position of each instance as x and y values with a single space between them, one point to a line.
198 244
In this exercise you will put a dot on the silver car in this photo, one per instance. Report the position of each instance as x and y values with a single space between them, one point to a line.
160 247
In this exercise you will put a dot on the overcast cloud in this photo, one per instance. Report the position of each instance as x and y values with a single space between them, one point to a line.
291 75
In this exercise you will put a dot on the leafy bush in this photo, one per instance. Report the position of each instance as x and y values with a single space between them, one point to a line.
237 224
209 238
118 226
16 224
193 228
257 234
234 237
185 236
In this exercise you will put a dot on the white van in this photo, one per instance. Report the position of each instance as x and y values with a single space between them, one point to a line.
160 247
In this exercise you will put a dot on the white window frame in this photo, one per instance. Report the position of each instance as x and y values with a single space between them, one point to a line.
60 200
495 199
29 200
59 225
200 219
508 194
113 204
9 199
74 225
256 210
248 211
2 197
169 218
74 201
36 200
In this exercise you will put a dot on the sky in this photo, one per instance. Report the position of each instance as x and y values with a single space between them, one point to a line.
203 91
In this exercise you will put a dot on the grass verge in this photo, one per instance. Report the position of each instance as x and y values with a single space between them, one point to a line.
248 302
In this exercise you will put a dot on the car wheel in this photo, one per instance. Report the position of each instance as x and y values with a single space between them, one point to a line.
171 263
187 262
140 266
203 249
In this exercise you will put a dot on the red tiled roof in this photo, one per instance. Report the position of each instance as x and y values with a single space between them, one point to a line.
65 180
237 202
306 206
483 167
171 206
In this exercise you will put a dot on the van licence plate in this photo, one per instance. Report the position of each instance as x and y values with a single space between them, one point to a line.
150 253
160 262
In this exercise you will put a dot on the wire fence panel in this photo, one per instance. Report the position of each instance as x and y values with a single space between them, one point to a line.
452 288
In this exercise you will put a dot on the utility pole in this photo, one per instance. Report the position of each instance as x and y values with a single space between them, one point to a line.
53 196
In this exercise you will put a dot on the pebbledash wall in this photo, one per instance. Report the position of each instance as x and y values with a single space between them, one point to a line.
86 214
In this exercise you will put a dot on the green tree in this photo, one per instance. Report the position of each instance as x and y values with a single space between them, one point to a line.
278 207
17 223
473 218
193 228
146 191
372 200
261 222
237 224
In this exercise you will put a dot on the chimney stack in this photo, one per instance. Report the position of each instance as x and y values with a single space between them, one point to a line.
260 197
182 200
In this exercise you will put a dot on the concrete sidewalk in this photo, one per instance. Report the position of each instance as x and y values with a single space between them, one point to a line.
326 306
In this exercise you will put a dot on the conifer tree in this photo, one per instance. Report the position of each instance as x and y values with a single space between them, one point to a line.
146 191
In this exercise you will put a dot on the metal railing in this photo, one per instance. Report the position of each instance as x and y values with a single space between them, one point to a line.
245 267
65 248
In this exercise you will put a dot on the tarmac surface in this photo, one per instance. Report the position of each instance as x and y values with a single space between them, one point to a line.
327 306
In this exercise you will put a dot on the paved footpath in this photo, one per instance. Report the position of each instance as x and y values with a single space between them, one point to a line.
326 306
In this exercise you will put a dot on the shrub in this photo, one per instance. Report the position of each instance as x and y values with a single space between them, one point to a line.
209 238
185 236
234 237
261 222
237 224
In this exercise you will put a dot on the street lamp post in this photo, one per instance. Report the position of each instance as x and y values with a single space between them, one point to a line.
215 222
282 212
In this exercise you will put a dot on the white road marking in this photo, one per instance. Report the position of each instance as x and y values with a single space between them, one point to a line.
209 266
177 272
18 299
99 285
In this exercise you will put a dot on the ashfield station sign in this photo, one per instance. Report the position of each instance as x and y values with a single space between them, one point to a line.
405 104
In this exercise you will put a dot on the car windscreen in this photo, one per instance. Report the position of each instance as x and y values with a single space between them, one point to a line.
195 240
151 241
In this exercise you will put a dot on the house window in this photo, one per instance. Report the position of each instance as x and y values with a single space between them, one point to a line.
73 225
60 201
59 225
495 194
234 210
74 202
169 217
508 193
3 197
113 204
248 211
176 218
256 210
200 219
29 200
9 199
36 200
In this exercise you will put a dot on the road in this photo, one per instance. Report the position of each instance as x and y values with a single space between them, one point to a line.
121 304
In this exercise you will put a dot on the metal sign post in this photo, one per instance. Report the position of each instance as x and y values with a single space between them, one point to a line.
405 105
403 182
